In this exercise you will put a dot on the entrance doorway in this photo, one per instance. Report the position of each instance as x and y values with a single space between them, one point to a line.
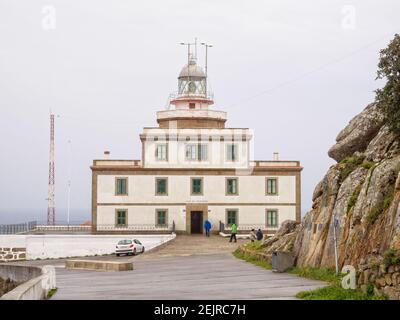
196 222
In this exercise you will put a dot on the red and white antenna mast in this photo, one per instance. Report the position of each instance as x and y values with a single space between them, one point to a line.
51 210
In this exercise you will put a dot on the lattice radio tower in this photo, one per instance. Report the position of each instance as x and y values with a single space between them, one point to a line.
51 209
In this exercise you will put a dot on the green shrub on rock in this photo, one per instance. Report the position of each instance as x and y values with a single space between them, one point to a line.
391 257
388 98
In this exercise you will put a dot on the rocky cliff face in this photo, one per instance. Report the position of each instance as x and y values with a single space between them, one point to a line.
361 192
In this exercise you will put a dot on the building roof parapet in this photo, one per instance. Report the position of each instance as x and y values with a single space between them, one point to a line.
191 114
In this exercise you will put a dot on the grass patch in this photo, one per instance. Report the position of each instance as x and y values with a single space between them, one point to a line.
380 208
354 160
353 199
322 274
256 245
367 164
349 164
250 258
370 177
51 293
374 213
388 200
336 292
333 291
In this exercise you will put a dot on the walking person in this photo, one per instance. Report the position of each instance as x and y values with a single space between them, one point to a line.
253 235
207 227
233 232
260 235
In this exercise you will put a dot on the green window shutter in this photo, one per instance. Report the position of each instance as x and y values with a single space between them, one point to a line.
231 152
232 186
161 217
272 218
161 186
121 218
231 217
271 186
121 186
196 186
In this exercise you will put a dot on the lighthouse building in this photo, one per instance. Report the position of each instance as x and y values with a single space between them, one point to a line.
192 168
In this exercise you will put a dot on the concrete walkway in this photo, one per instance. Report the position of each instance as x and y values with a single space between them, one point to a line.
190 267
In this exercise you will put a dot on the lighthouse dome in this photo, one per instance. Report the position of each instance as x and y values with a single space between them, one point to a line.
192 70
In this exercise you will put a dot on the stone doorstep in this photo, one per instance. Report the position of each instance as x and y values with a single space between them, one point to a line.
238 235
98 265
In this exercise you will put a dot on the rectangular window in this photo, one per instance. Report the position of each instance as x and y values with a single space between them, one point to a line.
161 217
162 152
202 152
196 152
272 186
121 218
161 186
231 186
231 217
272 218
197 186
231 152
121 186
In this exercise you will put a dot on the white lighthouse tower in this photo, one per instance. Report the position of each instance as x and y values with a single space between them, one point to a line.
190 105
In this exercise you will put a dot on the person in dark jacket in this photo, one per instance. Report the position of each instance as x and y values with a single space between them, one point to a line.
207 227
260 235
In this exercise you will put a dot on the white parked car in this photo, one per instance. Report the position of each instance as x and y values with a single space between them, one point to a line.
129 246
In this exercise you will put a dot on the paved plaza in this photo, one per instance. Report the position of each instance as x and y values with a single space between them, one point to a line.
190 267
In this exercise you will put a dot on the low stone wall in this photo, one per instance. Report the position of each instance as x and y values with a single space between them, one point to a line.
384 279
19 273
67 246
12 254
36 282
6 285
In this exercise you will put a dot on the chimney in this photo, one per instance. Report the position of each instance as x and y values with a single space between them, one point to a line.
106 155
275 156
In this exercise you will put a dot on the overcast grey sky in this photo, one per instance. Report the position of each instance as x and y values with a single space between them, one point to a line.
293 71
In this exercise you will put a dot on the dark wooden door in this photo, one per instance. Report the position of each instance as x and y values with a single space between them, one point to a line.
196 222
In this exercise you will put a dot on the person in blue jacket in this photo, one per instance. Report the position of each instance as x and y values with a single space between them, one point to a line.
207 227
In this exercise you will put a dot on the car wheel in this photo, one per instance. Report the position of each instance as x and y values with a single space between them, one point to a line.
143 250
117 254
134 252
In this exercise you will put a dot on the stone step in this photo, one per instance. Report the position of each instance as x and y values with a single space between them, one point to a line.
99 265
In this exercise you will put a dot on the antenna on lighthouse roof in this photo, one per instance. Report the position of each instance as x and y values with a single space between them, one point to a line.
195 48
207 45
191 56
